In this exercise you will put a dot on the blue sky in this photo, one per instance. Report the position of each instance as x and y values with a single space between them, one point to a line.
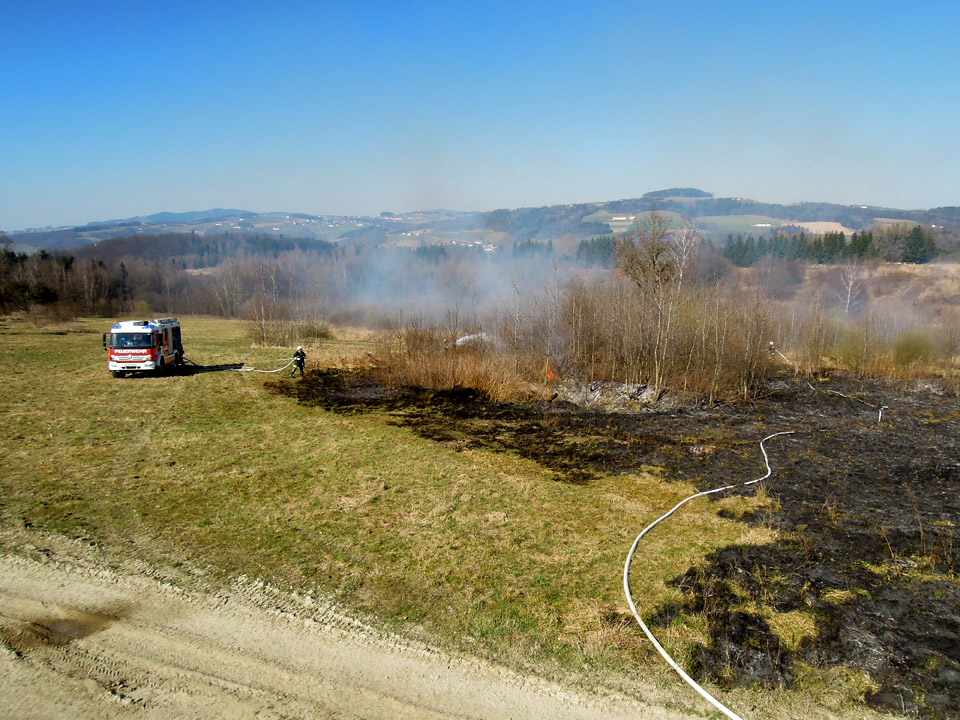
117 109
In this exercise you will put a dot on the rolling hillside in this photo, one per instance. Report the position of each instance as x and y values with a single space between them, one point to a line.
717 217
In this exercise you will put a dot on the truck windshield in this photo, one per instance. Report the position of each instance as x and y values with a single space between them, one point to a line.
130 340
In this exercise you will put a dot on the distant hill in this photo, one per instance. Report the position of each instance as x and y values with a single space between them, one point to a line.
716 216
196 216
676 193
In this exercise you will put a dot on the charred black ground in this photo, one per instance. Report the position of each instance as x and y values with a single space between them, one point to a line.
867 512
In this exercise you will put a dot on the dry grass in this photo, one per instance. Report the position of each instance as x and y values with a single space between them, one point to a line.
905 324
430 359
823 227
929 284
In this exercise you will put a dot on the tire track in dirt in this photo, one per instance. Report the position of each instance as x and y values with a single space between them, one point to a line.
78 640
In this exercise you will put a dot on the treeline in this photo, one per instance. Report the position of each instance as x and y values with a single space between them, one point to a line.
224 274
665 320
686 192
263 277
656 322
198 251
544 223
598 251
893 244
532 248
66 286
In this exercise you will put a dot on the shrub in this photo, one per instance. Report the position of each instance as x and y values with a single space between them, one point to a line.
913 348
852 349
429 358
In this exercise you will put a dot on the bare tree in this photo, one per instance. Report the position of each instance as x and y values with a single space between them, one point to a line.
229 289
645 255
851 279
648 259
683 247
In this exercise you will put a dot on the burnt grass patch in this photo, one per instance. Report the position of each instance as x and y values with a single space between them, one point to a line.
867 513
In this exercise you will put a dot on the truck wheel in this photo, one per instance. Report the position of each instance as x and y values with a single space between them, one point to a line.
118 373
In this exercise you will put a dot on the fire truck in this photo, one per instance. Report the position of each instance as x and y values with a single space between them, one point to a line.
144 346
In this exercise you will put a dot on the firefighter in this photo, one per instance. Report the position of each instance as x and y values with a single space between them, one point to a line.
299 358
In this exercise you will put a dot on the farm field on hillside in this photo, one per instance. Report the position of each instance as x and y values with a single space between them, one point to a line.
739 224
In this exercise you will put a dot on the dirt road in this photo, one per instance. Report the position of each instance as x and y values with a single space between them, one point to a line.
81 641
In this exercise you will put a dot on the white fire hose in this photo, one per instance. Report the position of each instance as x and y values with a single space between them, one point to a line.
626 579
633 549
201 368
253 369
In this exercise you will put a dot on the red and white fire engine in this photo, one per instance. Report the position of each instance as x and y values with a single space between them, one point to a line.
144 345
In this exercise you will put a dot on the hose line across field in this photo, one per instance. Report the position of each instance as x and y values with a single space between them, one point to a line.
879 408
235 367
633 549
253 369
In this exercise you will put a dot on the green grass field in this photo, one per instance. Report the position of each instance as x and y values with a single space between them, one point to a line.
619 226
475 550
739 224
